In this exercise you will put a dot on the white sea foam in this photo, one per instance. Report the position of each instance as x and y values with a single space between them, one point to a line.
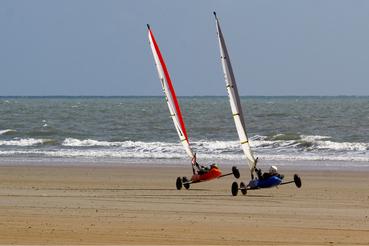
307 143
7 131
73 142
318 148
203 157
138 145
312 138
324 143
344 146
24 142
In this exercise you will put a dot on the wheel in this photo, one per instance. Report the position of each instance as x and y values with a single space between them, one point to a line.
236 172
186 183
234 188
179 183
297 180
243 188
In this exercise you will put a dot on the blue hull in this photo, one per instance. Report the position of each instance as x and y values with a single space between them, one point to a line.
269 182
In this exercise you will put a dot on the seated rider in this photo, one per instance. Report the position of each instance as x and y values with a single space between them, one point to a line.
272 172
200 168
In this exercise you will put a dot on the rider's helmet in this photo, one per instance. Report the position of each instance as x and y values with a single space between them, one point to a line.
273 170
213 165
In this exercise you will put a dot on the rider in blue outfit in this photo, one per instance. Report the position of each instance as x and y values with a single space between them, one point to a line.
272 172
262 178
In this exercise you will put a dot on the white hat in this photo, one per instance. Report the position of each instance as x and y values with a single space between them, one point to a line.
273 169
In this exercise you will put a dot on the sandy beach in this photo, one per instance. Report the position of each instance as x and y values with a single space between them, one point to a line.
139 204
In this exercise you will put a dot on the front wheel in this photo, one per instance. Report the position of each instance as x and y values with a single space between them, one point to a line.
243 188
179 183
297 180
186 183
234 189
236 172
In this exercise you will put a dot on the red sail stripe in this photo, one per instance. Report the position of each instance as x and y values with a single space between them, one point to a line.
178 110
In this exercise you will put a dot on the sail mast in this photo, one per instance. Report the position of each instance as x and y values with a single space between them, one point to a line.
171 98
234 98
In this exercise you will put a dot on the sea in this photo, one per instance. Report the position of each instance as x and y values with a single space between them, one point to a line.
331 131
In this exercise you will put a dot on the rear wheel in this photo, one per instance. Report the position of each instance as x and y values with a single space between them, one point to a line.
243 188
236 172
297 180
186 183
234 189
179 183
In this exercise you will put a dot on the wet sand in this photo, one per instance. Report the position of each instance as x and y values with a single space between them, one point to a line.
140 205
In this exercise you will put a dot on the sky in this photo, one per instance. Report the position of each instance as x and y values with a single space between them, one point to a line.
100 48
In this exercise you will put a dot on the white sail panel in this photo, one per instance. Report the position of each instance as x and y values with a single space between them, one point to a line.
234 98
171 98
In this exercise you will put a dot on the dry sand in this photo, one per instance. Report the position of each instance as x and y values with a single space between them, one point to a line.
140 205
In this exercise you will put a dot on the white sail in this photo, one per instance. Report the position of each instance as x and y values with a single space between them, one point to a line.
171 98
234 98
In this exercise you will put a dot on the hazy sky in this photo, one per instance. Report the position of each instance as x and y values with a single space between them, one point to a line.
86 47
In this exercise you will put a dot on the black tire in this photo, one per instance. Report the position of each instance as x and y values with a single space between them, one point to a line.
243 188
297 180
236 172
186 183
179 183
234 189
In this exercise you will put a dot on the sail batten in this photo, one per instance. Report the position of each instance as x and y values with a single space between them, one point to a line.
234 98
171 98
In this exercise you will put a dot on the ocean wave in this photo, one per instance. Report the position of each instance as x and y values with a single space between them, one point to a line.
284 136
354 158
304 143
26 142
304 148
7 132
202 157
138 145
73 142
93 154
344 146
308 143
313 138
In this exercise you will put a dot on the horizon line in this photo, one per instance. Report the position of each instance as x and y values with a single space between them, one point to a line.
102 96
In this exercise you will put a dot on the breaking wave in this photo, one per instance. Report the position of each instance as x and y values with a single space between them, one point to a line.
7 132
278 147
73 142
24 142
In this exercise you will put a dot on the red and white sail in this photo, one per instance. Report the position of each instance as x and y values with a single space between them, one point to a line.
234 98
171 98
